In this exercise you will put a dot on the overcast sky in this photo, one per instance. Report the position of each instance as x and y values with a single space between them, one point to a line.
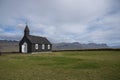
83 21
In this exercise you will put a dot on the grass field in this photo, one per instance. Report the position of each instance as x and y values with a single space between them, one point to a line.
76 65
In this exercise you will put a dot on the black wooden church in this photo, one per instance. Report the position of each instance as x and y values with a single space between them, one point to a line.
30 43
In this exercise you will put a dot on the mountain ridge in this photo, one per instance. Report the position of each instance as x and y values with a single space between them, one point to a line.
77 45
13 46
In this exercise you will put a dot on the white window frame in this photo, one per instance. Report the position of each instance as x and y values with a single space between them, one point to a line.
48 46
36 46
43 46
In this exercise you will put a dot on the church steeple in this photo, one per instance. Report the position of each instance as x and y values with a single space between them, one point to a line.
26 31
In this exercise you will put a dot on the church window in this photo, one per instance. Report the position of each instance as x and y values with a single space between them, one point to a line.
48 46
43 46
36 46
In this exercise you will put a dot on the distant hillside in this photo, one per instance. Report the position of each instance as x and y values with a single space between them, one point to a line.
9 46
13 46
76 45
118 46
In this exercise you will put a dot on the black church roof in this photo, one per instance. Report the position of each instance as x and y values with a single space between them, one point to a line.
38 40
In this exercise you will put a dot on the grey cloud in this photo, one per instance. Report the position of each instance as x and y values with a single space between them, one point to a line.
63 20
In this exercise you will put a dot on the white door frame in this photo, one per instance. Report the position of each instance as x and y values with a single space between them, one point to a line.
24 47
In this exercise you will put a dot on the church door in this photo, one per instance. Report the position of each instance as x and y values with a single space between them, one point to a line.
24 48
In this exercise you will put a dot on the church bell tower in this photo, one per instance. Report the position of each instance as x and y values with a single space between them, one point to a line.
26 31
